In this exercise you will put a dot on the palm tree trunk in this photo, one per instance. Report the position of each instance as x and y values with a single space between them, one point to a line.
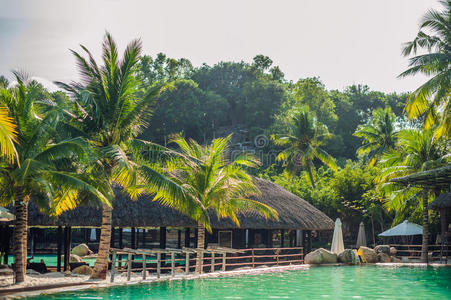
309 168
101 265
200 244
20 235
424 246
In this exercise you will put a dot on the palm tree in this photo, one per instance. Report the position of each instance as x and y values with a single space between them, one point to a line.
303 143
415 151
379 135
46 168
434 95
110 109
216 183
8 135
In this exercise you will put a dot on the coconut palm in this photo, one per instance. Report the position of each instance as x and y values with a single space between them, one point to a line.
216 183
303 142
379 134
415 151
111 109
8 135
46 168
434 95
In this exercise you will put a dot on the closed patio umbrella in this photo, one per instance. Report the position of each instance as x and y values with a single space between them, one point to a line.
5 215
337 239
361 236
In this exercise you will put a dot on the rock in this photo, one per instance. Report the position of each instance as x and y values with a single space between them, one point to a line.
82 270
320 256
81 250
347 257
73 258
383 258
382 249
395 260
393 251
32 272
368 255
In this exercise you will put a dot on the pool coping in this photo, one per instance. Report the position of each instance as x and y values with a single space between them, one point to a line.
94 284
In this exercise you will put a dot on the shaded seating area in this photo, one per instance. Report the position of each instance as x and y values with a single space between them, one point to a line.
438 181
146 224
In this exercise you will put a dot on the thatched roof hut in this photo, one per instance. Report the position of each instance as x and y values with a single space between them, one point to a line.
441 202
294 213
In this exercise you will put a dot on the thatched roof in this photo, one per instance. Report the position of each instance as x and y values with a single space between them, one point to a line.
435 178
442 201
294 213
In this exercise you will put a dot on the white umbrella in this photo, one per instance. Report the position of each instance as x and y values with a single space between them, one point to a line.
403 229
361 237
337 239
5 215
92 236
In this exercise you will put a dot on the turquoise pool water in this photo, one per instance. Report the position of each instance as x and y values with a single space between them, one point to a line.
366 282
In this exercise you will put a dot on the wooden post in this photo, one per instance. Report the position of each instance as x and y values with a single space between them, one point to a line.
112 241
187 263
179 239
253 258
129 266
133 238
173 264
144 239
7 244
120 238
282 238
187 237
277 257
212 268
158 264
424 245
66 248
201 258
144 267
113 267
224 261
58 248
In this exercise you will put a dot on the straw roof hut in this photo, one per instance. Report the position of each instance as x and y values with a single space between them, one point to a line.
294 213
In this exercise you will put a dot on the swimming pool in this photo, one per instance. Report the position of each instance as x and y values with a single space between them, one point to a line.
353 282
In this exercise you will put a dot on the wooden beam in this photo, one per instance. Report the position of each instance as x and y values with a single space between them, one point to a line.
187 237
162 237
179 239
187 263
129 266
158 264
120 238
113 267
59 238
173 264
133 238
144 267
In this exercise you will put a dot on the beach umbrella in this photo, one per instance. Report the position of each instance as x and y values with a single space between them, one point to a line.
337 239
92 236
403 229
5 215
361 237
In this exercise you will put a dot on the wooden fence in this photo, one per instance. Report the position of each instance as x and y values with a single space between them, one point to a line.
209 260
414 251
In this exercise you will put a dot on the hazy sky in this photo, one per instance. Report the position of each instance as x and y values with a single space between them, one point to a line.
342 42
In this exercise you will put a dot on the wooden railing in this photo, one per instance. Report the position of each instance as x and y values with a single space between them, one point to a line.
184 260
414 251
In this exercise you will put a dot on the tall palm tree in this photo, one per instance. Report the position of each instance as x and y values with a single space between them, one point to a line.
110 110
434 95
415 151
216 183
303 142
46 167
379 134
8 135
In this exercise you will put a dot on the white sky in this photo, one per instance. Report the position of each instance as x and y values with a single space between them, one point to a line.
343 42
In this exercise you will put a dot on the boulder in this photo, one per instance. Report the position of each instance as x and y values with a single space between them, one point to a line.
382 249
81 250
368 255
383 258
73 258
82 270
393 251
395 260
347 257
320 256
